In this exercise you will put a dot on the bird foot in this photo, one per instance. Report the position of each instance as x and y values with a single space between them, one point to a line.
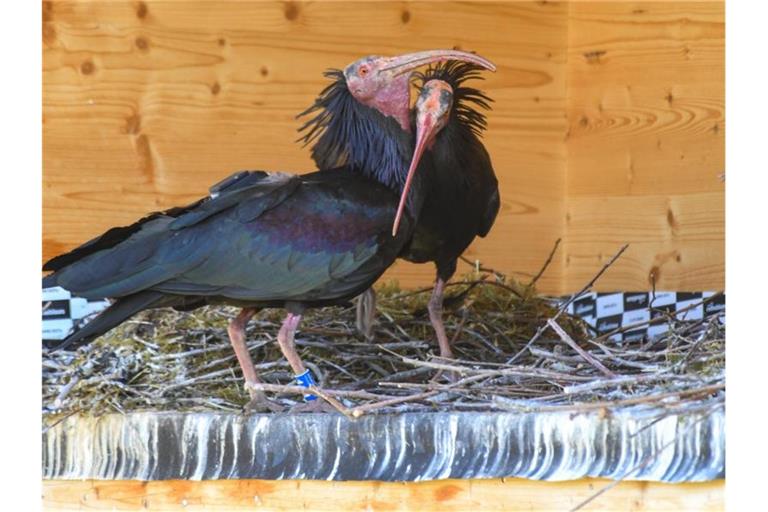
259 402
318 405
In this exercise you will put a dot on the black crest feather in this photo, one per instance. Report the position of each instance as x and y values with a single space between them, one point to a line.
455 73
343 131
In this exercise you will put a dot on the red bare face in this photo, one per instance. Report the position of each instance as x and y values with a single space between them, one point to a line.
364 78
383 83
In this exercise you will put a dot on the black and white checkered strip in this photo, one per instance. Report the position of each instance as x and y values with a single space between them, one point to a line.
62 312
607 312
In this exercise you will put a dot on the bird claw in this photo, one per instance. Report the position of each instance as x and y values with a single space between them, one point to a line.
259 401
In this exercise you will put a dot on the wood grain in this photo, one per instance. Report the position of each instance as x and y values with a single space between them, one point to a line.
646 144
146 104
599 106
676 241
446 495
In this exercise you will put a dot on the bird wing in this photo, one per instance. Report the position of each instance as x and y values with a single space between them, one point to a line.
489 215
232 188
264 237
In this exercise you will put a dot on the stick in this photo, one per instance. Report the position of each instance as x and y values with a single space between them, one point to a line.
565 305
568 340
335 403
359 411
617 381
301 390
581 407
546 264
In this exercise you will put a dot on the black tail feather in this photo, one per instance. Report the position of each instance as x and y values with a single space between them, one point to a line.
49 281
122 309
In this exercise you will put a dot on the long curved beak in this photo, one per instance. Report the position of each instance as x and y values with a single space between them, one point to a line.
425 130
410 61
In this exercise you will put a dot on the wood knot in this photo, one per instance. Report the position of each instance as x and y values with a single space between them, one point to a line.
142 44
222 41
583 121
593 57
141 10
47 11
215 88
133 124
446 492
144 157
87 67
405 17
654 275
291 11
669 97
264 71
671 220
49 33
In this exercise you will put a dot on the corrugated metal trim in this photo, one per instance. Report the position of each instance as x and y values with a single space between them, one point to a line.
394 447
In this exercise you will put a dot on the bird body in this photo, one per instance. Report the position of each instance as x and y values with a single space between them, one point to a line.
461 205
462 197
271 239
267 240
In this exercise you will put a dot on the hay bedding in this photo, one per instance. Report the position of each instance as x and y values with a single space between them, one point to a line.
515 351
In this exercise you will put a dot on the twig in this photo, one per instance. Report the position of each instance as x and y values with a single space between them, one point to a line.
565 305
362 409
541 271
301 390
588 358
335 403
592 281
623 380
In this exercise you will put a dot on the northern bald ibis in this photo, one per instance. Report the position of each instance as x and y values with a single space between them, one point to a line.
270 239
463 197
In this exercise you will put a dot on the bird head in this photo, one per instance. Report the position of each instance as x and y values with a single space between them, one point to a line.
433 110
383 83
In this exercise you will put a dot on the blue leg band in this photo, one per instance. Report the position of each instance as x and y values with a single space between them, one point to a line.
306 380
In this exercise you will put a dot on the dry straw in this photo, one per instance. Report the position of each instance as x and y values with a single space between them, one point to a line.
515 350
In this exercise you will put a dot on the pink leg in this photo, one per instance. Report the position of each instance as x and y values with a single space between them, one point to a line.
285 338
236 330
435 308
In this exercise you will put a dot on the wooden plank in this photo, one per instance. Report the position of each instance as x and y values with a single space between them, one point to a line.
675 241
446 495
646 111
145 104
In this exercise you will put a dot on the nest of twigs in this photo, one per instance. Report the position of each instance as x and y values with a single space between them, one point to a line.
515 350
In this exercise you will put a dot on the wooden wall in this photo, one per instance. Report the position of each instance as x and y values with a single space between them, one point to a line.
646 144
145 104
